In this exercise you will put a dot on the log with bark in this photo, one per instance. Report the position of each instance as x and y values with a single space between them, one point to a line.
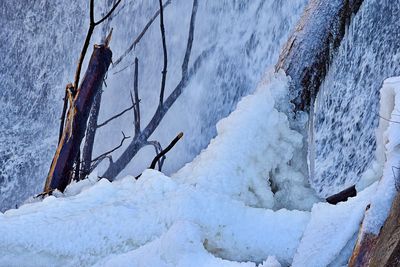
387 248
342 195
80 104
382 250
309 50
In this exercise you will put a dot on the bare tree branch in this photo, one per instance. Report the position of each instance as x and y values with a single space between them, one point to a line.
92 25
64 112
90 136
77 171
108 14
165 151
115 116
136 91
158 149
105 154
140 36
164 45
190 40
139 141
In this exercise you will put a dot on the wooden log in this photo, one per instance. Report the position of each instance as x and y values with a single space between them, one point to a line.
386 252
342 195
382 250
78 113
309 50
363 249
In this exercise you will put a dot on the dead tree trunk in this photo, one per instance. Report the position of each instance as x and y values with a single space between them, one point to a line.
387 249
78 113
383 249
309 50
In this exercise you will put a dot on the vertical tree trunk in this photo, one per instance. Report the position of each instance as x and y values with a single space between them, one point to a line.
78 113
90 137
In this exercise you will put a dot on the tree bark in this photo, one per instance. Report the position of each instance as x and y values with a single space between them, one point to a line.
382 250
87 151
387 249
308 52
78 113
342 195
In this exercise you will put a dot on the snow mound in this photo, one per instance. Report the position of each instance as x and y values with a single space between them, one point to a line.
213 202
254 148
114 218
216 211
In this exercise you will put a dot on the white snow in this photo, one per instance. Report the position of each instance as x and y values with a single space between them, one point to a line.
210 211
331 227
254 146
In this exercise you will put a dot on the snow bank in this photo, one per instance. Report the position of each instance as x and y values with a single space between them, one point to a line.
216 211
114 218
388 155
254 148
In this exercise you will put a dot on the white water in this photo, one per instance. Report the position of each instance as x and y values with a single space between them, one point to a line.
346 110
43 39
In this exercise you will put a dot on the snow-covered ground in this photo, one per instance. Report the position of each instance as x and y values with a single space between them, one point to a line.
219 210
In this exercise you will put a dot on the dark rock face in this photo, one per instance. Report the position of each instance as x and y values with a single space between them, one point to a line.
308 52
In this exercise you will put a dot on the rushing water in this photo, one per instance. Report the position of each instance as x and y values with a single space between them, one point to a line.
346 111
40 45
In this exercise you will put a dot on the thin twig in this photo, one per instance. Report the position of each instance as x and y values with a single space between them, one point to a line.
112 150
165 53
115 116
158 149
136 91
387 119
94 165
108 14
139 37
49 192
165 151
64 112
190 40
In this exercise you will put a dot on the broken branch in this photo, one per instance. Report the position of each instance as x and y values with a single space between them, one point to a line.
115 116
108 14
165 151
136 91
105 154
165 53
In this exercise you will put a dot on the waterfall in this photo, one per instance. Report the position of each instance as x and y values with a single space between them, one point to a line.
346 111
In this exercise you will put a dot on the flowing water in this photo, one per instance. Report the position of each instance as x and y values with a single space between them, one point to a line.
40 45
346 110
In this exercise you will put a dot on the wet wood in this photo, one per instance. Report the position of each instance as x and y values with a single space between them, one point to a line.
342 195
382 250
68 148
